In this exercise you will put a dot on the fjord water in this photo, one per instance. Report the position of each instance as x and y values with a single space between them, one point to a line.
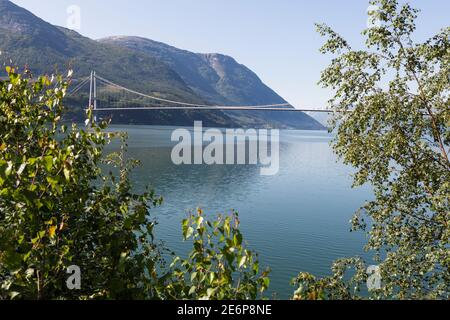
297 220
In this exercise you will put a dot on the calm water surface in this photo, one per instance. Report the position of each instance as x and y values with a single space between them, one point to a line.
297 220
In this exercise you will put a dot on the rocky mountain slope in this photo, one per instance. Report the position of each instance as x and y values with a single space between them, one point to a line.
146 66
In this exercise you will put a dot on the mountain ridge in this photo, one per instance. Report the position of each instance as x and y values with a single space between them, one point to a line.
160 69
212 75
222 80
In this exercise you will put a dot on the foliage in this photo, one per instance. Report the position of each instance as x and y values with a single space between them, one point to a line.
57 208
334 287
392 123
219 266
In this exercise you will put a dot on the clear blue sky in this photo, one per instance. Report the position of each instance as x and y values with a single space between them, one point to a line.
275 38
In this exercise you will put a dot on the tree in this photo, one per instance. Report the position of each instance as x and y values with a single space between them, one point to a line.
219 267
57 208
392 118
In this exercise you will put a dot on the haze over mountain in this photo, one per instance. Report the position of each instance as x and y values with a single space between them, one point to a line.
146 66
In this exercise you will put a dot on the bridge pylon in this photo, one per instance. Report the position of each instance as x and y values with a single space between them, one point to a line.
93 93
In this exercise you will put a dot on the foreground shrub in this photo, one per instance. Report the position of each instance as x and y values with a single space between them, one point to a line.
57 209
219 266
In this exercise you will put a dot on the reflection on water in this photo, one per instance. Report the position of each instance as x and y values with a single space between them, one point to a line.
297 220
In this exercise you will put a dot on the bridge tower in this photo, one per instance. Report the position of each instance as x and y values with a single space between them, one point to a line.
93 93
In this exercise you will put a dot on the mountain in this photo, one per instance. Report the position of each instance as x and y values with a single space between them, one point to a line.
217 77
28 40
221 80
145 66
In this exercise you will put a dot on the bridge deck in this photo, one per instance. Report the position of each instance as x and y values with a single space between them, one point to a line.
216 108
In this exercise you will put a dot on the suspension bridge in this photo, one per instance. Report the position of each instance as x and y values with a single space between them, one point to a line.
105 95
110 96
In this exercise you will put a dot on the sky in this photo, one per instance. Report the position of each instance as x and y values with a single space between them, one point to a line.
274 38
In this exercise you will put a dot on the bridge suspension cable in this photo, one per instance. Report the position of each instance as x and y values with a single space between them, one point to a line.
187 104
83 82
109 96
128 101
